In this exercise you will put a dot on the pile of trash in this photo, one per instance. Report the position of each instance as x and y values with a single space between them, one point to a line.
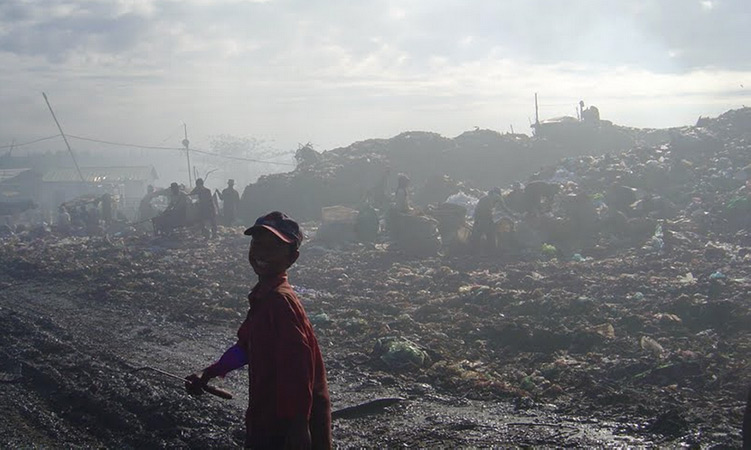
352 175
648 327
139 270
698 181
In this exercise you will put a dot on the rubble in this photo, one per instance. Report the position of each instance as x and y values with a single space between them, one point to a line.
481 159
646 326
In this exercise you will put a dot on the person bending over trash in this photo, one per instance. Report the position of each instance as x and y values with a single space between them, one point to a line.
483 219
289 404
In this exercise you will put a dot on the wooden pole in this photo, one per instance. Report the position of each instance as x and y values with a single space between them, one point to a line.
186 143
537 111
64 138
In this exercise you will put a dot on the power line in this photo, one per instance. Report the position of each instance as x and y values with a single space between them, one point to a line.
154 147
30 142
150 147
240 158
120 144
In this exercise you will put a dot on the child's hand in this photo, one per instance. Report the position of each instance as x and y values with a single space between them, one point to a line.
195 384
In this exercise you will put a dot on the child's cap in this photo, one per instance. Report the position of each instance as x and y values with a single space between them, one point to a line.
283 226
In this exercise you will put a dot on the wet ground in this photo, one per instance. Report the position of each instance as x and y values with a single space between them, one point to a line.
517 353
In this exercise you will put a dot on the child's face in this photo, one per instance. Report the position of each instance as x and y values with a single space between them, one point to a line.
269 255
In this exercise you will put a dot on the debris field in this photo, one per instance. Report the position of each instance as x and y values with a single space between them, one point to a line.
633 338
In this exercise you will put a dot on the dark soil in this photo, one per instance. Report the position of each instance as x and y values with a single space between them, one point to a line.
517 353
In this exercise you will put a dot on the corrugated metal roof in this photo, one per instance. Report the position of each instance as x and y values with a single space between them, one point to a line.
101 174
7 174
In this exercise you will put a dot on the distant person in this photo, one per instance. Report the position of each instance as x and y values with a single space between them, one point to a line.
176 213
146 210
106 204
590 115
231 199
366 224
289 404
484 226
178 200
63 220
206 211
401 196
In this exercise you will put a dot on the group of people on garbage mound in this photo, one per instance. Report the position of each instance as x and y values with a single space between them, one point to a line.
199 206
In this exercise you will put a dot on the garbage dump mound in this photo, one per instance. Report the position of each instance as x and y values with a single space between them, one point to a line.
647 329
479 158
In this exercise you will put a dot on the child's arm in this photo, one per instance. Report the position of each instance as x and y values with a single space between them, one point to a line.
234 358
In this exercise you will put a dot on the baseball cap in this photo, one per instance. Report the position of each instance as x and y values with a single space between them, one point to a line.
283 226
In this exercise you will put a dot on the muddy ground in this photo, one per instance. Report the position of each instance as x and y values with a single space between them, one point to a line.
632 349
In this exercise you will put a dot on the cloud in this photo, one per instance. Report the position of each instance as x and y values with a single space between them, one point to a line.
60 31
356 68
641 34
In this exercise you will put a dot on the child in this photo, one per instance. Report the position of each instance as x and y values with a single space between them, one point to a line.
289 399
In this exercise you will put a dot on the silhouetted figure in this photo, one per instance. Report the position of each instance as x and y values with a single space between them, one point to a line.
106 202
178 200
483 226
590 115
231 199
146 210
401 196
367 224
63 220
176 213
206 211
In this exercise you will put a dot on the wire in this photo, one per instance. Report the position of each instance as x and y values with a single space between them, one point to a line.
204 152
240 158
150 147
153 147
30 142
171 135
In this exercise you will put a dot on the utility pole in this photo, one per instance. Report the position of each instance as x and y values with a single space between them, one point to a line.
64 138
186 144
537 112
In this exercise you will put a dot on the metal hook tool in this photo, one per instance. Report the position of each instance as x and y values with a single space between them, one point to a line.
213 390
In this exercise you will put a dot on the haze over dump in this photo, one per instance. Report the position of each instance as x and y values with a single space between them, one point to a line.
335 72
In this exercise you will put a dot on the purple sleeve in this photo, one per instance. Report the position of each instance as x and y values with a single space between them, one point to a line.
234 358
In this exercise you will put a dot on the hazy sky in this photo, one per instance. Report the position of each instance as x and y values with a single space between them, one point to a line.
337 71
